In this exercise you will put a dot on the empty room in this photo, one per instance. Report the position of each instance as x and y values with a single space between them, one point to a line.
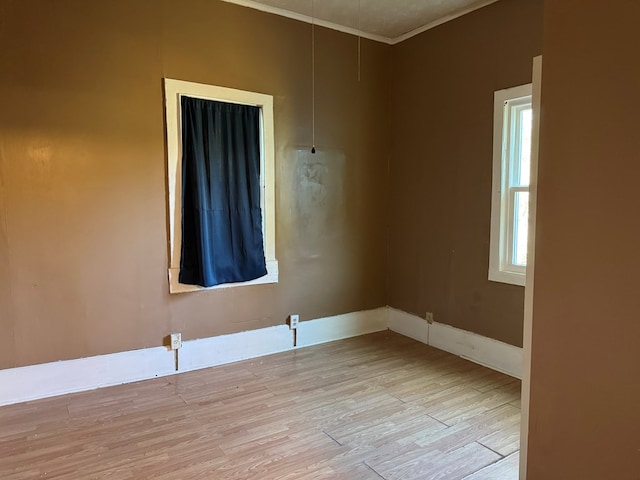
319 239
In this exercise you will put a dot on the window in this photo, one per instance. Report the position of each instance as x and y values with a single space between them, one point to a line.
511 170
175 92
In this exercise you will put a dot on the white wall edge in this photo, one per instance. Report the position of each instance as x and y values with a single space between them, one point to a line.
70 376
531 259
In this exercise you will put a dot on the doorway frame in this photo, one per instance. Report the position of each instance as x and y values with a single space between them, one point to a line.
529 281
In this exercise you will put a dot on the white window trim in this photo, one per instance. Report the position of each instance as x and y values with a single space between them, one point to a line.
501 224
174 89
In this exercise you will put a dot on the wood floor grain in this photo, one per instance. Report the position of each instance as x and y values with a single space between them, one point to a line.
380 406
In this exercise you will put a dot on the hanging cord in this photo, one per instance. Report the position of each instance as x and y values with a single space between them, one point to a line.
313 80
359 38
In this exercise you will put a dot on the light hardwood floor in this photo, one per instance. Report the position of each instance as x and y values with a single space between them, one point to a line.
366 408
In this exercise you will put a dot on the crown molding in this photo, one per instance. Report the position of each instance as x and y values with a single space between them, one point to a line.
354 31
440 21
307 19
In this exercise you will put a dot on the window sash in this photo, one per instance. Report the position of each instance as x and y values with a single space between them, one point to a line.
511 181
510 184
514 110
510 237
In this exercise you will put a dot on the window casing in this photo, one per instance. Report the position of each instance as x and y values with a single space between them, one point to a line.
174 90
511 175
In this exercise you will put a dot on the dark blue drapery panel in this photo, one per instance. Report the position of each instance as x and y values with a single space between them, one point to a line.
221 217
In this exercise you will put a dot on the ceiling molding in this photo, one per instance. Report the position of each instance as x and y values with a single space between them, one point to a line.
353 31
440 21
307 19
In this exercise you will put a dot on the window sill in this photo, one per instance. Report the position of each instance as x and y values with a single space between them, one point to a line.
176 287
507 277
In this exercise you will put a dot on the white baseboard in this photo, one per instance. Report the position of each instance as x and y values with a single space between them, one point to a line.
341 326
69 376
408 325
213 351
486 351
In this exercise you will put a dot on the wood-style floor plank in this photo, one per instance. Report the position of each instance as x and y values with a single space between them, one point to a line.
505 469
380 406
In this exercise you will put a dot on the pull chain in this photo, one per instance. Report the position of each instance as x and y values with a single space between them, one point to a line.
313 80
359 37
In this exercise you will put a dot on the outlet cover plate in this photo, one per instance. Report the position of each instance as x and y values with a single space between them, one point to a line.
176 341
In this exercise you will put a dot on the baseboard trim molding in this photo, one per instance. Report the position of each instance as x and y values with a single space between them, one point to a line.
328 329
69 376
408 325
214 351
485 351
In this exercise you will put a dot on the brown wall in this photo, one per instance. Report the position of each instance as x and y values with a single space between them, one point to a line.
440 193
83 217
585 383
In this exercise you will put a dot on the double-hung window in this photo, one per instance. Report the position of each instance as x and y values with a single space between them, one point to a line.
511 172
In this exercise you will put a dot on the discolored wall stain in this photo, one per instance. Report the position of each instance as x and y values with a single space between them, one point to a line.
319 199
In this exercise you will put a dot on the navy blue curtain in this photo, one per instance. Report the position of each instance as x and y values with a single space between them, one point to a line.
221 216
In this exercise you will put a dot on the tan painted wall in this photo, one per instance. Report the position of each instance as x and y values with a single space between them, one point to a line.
83 219
585 378
440 193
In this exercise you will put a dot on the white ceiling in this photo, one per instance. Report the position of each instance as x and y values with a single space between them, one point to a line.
389 21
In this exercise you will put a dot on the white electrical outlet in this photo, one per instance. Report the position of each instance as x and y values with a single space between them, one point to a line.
429 317
176 341
294 318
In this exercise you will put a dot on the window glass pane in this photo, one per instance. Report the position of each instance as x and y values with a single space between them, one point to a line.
520 228
525 147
